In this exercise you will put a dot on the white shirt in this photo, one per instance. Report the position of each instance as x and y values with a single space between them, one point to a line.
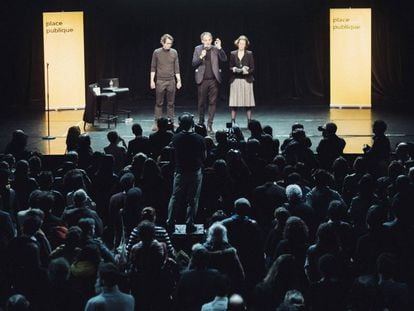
218 304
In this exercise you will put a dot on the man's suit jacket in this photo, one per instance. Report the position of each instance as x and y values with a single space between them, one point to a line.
216 56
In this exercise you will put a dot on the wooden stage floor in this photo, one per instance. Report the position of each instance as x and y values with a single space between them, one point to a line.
354 125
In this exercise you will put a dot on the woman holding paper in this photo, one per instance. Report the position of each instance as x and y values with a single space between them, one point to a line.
241 79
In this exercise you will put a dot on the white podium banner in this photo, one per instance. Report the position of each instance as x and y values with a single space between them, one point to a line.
64 60
350 47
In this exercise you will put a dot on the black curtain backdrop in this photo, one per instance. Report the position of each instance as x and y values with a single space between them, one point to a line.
289 38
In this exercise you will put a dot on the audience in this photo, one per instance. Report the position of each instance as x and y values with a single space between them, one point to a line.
290 231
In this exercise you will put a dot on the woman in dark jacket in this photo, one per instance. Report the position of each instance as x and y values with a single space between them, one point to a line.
241 80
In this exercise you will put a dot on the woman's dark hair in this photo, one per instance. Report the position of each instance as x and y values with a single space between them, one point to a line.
296 230
146 231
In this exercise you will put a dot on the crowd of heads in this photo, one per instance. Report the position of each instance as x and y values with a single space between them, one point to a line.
285 228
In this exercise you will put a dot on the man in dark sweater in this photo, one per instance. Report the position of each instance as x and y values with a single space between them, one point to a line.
165 77
190 152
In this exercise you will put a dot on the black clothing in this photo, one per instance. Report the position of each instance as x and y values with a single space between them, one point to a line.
189 151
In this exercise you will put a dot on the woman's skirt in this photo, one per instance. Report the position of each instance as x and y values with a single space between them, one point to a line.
241 94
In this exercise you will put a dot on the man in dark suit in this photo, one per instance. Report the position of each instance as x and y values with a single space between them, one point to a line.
206 59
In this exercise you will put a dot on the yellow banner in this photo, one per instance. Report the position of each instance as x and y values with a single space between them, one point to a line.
350 40
64 60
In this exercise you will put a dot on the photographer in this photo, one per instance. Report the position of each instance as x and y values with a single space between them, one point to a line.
331 146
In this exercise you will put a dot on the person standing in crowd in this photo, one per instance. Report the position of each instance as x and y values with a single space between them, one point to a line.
165 77
241 80
331 146
206 59
190 152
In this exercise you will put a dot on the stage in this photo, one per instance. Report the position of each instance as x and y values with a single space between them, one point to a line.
354 125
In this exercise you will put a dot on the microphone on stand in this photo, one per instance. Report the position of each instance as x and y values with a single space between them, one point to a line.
48 136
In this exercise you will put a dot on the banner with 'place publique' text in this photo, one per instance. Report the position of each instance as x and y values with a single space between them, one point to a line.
64 59
350 45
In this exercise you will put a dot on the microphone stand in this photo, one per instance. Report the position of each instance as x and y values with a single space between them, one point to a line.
48 137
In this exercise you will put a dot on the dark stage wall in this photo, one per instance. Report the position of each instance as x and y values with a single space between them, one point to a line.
289 38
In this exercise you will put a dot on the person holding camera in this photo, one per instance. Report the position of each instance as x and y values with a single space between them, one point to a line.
331 146
190 153
241 79
165 77
206 58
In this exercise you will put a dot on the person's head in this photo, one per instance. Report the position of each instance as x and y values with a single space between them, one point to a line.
166 41
299 135
199 256
22 168
73 237
17 302
201 129
217 235
87 225
335 211
221 137
296 230
79 198
281 215
186 121
4 178
294 298
72 137
296 126
45 180
340 167
46 202
162 124
84 141
137 129
35 164
386 263
19 138
113 137
58 270
146 231
255 127
360 165
379 127
72 156
242 42
395 169
127 181
148 213
271 172
242 206
294 193
236 303
328 129
133 201
108 275
267 129
206 39
366 184
322 178
217 216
